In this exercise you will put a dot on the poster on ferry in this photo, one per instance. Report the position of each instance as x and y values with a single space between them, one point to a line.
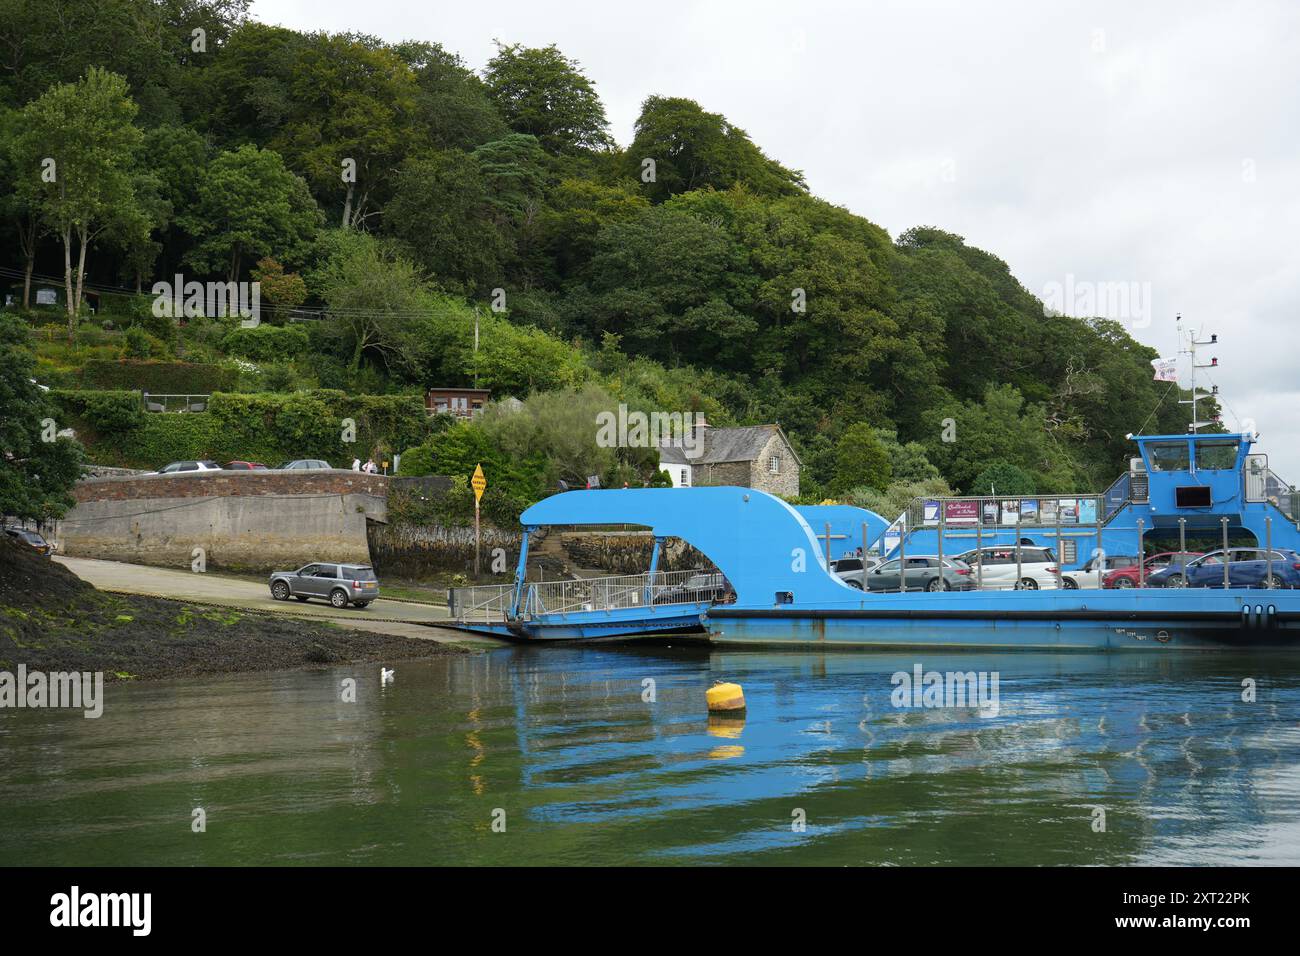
990 512
1010 511
1087 511
1029 510
1047 511
1069 511
930 512
961 512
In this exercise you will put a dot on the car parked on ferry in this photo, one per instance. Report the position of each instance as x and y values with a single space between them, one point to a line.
922 573
995 568
305 464
340 584
1094 571
1157 571
1247 568
851 569
245 466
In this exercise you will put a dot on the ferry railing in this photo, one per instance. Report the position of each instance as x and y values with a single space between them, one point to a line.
625 591
487 604
484 604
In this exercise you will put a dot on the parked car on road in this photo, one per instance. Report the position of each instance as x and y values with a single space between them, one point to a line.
305 464
245 466
995 568
178 467
32 539
1094 571
1157 572
850 570
1247 568
922 574
340 584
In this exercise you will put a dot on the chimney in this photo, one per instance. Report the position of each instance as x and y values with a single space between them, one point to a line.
700 424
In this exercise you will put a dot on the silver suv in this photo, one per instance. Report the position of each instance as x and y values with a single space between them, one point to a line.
340 584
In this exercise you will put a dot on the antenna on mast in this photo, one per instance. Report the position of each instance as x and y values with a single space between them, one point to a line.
1192 343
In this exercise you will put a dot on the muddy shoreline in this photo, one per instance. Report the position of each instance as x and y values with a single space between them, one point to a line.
51 620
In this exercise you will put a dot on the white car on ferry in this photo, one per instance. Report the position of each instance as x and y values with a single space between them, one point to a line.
995 568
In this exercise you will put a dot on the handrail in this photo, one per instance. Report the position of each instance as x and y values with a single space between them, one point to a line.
492 603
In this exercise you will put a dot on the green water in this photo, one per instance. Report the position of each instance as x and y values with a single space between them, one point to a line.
560 744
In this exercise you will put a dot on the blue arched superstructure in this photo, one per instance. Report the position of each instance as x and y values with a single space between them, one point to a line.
764 546
850 529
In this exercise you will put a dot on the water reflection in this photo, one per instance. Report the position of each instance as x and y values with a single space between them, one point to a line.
563 745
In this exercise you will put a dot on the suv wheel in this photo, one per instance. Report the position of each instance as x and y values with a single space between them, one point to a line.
854 584
339 598
938 584
1124 582
280 591
1027 584
1273 581
1174 581
1069 584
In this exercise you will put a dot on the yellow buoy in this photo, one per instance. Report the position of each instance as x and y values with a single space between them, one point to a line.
725 698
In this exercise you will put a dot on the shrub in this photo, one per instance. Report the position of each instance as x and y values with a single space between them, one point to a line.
266 343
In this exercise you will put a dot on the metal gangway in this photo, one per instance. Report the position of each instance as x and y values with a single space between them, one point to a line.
552 601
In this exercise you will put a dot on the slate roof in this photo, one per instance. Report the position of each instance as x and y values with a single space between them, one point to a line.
745 443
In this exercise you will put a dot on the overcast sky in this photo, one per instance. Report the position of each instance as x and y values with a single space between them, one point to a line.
1148 144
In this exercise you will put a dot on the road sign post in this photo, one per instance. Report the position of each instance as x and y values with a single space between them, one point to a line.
480 485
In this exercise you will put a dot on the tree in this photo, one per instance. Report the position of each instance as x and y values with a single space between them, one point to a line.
249 205
281 290
861 460
542 92
354 101
443 214
693 149
79 143
19 205
453 108
372 294
37 466
1003 478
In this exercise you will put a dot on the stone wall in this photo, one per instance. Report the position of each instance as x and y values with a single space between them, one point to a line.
246 521
627 552
204 484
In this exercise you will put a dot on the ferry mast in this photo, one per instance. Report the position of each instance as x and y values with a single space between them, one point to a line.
1190 340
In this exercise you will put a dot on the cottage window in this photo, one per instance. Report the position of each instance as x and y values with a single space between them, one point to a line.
774 464
686 477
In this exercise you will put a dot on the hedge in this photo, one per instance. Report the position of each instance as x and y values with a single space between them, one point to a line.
163 378
269 428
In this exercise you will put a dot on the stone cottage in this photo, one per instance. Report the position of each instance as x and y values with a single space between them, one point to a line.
752 456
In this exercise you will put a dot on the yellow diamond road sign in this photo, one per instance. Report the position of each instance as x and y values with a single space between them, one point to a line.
479 483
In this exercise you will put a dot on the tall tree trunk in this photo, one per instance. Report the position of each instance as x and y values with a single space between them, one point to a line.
67 281
81 267
27 234
234 263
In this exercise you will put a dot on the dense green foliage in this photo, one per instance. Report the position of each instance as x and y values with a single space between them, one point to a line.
265 427
37 466
416 201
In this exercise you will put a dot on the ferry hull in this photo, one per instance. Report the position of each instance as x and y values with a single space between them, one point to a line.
1061 621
